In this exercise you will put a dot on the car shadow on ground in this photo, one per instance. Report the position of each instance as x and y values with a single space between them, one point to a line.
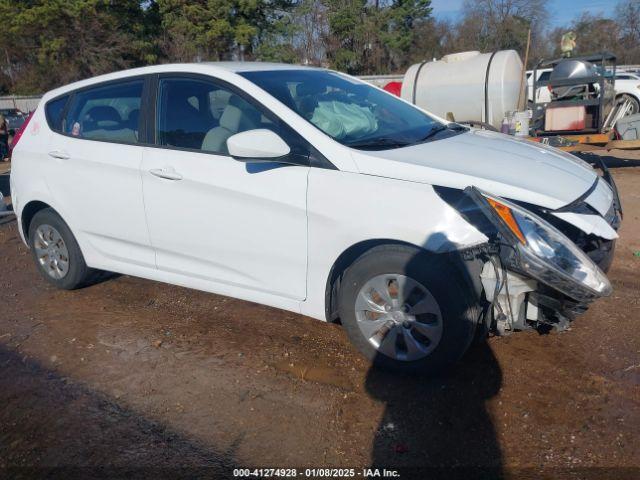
440 427
53 427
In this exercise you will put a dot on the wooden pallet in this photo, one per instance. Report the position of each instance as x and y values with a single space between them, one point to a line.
589 142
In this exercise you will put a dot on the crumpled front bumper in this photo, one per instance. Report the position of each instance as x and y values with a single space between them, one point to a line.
519 298
529 302
598 243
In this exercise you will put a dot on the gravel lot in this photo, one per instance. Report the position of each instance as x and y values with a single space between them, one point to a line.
133 376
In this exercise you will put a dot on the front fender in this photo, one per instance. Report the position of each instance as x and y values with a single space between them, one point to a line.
346 209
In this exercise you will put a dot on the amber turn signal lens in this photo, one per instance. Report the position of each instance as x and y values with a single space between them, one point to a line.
505 214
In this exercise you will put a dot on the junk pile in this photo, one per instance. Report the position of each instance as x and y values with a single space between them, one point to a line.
628 128
582 96
485 90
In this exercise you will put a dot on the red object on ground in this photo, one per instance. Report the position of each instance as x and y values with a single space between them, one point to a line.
393 87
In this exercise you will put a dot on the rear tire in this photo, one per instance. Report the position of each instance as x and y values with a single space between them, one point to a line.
56 252
428 303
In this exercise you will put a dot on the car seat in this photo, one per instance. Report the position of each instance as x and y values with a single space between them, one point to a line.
101 117
238 116
307 95
216 139
104 123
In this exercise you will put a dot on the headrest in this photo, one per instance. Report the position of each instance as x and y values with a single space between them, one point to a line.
221 95
103 112
230 118
103 116
218 100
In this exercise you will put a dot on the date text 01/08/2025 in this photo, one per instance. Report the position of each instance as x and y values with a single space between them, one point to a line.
315 473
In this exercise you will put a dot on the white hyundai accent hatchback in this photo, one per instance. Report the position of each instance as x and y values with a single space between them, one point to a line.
311 191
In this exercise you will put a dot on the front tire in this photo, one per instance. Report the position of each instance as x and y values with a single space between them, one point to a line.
56 252
406 309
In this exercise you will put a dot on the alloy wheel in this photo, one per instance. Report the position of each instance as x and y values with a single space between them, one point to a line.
51 251
399 317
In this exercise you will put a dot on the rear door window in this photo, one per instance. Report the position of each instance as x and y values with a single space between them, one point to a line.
108 113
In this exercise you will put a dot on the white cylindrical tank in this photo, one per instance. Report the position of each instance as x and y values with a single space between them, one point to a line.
472 85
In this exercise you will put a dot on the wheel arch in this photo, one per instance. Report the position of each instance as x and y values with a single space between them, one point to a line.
344 260
28 212
469 269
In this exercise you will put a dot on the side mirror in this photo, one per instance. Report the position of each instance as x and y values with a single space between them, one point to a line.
259 145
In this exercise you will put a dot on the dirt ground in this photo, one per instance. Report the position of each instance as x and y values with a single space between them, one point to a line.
135 377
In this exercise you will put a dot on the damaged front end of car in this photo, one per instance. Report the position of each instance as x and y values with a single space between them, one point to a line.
537 270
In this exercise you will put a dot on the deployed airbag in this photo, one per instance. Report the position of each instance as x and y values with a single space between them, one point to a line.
340 119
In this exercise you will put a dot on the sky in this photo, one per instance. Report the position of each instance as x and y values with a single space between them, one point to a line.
561 12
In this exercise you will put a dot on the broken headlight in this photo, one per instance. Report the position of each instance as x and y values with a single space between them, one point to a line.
541 250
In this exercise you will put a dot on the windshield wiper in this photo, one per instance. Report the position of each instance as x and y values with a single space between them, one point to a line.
457 127
388 142
439 128
381 142
434 130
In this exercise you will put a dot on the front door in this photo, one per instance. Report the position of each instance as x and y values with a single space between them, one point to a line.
214 218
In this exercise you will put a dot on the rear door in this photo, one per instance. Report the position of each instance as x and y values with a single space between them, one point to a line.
213 218
94 172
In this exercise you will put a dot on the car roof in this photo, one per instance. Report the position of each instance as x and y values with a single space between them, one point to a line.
257 66
200 67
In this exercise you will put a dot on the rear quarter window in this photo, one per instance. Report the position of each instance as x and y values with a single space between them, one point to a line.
53 112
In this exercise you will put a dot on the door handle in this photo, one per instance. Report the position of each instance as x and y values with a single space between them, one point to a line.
59 154
165 173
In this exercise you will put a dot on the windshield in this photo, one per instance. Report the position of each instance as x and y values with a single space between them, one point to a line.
353 113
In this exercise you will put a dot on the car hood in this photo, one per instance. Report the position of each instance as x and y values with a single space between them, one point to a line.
499 164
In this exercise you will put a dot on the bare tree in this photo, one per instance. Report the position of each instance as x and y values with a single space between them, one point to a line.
503 24
310 17
594 33
627 16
